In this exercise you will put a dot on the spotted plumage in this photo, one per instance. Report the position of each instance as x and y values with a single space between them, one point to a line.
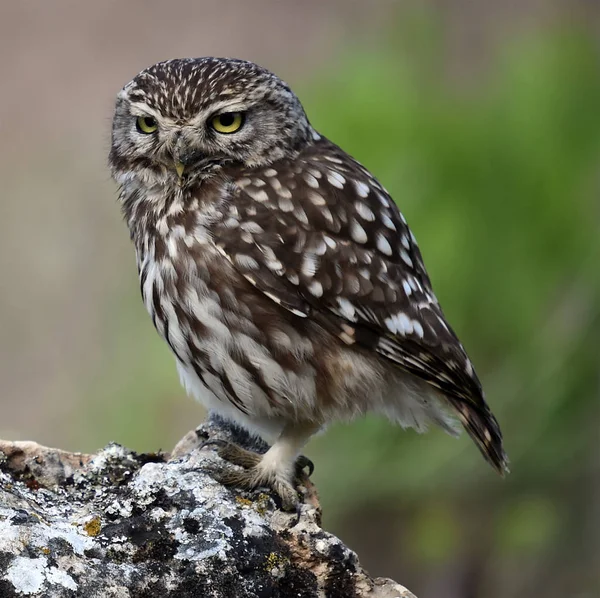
278 269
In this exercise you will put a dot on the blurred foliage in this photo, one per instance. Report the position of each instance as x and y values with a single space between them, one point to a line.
499 181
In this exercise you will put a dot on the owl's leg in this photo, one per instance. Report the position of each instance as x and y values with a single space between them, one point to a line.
277 469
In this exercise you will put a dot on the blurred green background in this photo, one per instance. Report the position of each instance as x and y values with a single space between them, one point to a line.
484 124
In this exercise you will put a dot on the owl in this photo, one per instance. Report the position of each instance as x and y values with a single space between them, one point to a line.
280 271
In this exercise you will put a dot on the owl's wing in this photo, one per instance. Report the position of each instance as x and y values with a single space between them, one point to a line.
323 239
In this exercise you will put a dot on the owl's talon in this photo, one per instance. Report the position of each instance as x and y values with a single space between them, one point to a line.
298 514
288 495
233 453
303 462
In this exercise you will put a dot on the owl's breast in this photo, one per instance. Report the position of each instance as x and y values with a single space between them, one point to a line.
177 286
227 337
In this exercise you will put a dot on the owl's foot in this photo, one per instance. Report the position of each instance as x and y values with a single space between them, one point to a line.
257 472
250 479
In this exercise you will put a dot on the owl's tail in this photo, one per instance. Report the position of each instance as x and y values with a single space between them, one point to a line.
483 428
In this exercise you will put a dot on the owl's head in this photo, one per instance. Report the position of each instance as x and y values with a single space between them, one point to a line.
182 119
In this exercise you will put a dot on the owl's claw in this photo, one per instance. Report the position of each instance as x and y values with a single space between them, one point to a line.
251 476
301 463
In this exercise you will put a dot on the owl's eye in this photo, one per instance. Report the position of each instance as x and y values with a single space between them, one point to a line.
227 122
146 124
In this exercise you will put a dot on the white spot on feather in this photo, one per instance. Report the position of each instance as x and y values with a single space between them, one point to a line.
383 245
364 211
331 243
403 323
309 265
320 247
311 181
406 258
246 261
285 193
362 188
388 222
443 323
469 367
326 213
172 246
336 179
231 223
273 297
383 200
260 195
275 183
316 199
275 266
301 214
417 328
346 308
252 227
285 204
162 227
357 232
316 288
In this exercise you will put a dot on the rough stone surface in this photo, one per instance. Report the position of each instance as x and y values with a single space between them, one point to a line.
121 524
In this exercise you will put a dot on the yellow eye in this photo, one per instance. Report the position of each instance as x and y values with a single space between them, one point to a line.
228 122
146 124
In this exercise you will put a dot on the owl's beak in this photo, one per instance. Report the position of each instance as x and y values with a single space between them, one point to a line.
179 168
185 154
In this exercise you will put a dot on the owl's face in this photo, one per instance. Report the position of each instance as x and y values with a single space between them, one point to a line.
181 120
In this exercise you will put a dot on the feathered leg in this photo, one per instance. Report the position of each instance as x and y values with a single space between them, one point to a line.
277 469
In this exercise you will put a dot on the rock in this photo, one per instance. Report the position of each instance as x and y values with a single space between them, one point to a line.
121 524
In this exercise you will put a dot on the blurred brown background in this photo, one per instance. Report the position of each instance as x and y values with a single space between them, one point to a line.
487 133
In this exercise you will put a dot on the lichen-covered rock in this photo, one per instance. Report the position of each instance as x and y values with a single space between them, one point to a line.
120 524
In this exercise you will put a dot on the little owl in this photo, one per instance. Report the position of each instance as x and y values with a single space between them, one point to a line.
279 270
